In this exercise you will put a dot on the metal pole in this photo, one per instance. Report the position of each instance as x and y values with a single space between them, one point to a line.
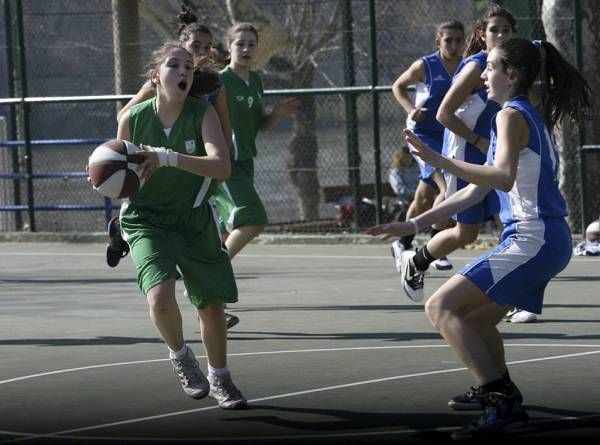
12 117
580 128
375 109
25 117
352 149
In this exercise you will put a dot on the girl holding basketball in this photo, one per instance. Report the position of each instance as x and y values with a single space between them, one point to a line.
169 223
466 113
522 165
207 84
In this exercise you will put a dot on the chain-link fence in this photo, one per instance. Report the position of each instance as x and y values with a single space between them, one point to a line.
312 171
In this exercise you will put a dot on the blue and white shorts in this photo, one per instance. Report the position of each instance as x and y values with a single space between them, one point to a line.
518 269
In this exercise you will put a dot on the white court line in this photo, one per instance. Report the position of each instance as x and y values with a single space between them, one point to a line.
285 395
289 351
276 256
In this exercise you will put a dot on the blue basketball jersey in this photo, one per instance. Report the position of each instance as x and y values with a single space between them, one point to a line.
535 193
429 94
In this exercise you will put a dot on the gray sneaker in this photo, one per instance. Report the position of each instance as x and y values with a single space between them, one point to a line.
192 380
224 391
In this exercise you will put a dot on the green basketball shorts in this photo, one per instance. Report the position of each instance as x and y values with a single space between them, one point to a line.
236 199
162 241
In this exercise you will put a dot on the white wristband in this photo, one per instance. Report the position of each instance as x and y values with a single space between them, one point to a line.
166 156
172 158
415 224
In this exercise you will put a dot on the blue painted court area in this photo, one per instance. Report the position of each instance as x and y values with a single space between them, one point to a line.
328 350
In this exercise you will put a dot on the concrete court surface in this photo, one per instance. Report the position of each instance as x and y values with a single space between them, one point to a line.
328 350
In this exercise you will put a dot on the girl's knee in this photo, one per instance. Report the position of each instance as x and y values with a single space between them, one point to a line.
434 311
467 235
211 312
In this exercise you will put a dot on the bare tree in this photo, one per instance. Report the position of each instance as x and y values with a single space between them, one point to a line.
590 38
126 44
557 17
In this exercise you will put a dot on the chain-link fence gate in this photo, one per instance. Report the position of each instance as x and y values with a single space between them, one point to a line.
338 56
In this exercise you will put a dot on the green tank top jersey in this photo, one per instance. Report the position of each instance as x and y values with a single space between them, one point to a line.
245 112
169 188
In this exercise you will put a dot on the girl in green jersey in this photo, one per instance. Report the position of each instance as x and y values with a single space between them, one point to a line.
237 201
169 223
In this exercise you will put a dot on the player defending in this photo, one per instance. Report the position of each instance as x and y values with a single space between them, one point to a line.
432 75
466 113
522 165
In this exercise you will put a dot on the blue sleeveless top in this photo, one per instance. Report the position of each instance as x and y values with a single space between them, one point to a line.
429 94
535 193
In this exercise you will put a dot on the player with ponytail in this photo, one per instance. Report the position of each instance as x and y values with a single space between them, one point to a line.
522 167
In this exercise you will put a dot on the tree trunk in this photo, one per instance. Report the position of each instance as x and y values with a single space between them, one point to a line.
560 32
304 149
126 44
590 38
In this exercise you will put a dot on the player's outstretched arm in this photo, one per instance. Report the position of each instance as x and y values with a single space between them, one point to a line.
463 199
281 109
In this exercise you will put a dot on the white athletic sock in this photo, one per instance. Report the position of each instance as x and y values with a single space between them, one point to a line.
178 355
219 372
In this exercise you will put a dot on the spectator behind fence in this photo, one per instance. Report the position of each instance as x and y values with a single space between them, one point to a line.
403 175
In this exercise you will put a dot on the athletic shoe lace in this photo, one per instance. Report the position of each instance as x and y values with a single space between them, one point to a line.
225 389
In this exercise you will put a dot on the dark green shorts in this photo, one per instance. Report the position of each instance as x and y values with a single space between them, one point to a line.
162 241
236 199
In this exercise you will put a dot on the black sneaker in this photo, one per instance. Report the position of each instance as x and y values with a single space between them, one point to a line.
412 278
231 320
117 247
471 400
502 413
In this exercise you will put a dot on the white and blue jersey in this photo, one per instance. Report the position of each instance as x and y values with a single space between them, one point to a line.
536 241
476 112
535 194
429 94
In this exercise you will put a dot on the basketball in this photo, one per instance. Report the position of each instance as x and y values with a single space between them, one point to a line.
112 169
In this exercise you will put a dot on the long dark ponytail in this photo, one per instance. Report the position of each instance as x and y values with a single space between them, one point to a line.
565 94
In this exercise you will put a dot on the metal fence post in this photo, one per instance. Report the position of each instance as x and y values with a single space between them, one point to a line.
12 132
375 108
352 149
25 114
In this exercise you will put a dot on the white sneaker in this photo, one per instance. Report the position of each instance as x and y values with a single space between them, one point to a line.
397 248
521 316
442 264
412 278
